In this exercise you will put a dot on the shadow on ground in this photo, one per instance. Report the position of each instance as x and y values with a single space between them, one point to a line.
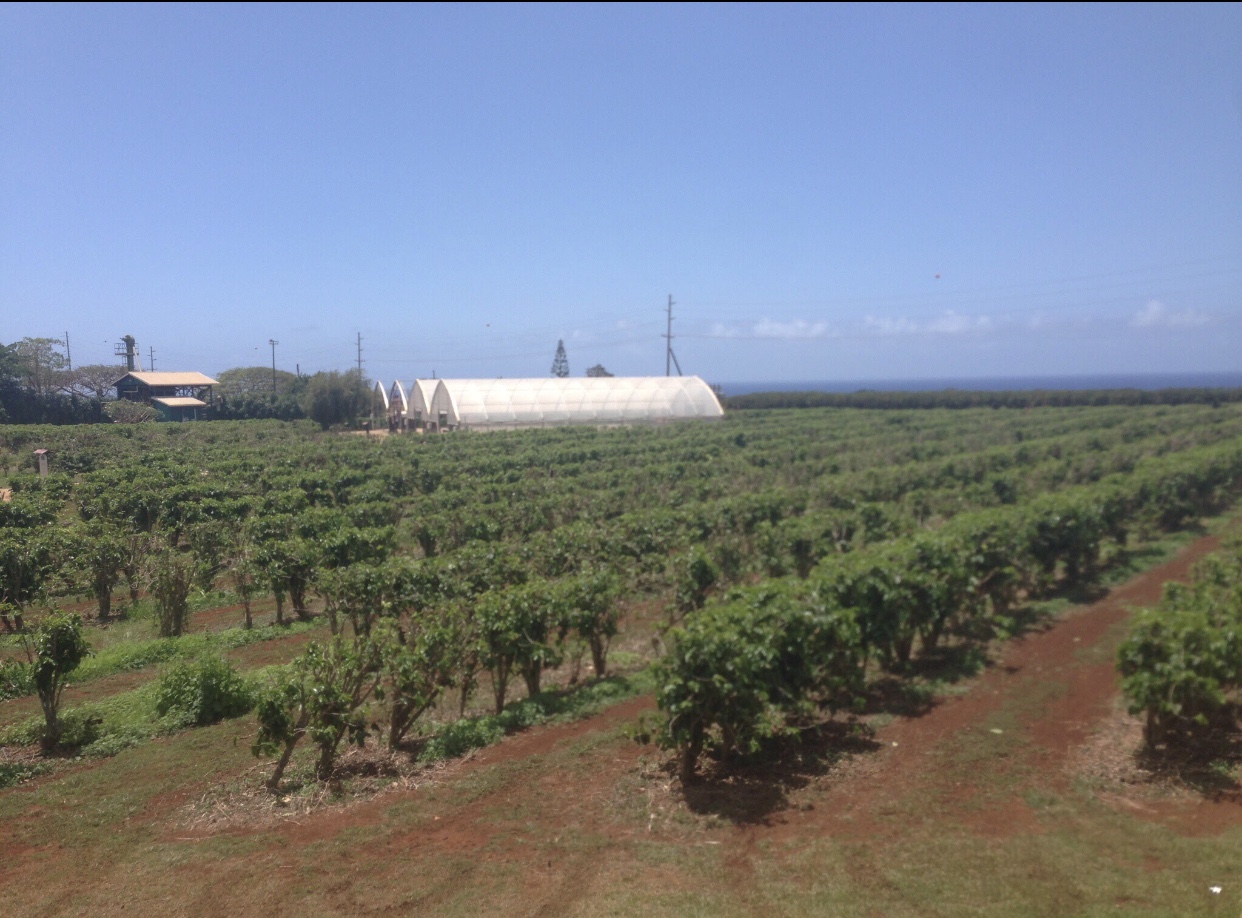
1205 760
748 791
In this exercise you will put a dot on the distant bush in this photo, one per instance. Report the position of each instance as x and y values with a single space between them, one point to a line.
203 692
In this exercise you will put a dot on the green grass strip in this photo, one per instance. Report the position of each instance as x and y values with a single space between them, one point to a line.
141 654
460 736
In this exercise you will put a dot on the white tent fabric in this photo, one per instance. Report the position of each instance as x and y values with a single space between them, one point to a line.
479 403
439 403
427 400
400 405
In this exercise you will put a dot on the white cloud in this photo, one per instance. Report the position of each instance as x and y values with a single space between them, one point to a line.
1157 315
795 329
798 329
954 323
886 326
947 323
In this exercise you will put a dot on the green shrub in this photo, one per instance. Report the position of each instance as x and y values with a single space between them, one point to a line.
748 669
1179 668
12 773
203 692
16 679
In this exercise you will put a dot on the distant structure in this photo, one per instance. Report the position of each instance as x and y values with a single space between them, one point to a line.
488 404
560 363
175 396
598 371
128 349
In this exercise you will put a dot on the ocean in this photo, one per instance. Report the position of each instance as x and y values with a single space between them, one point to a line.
997 383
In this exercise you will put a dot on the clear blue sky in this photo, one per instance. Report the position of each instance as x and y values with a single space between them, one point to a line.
827 192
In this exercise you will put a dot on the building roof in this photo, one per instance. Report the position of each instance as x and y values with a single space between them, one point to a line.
181 402
396 397
381 392
555 400
167 378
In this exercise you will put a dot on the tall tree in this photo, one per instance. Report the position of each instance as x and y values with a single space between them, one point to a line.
560 363
41 364
336 398
96 380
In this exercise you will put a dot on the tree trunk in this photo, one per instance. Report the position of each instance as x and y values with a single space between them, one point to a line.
298 596
599 655
327 755
690 755
532 673
903 647
280 607
51 732
465 696
249 620
500 680
403 717
273 783
399 724
104 595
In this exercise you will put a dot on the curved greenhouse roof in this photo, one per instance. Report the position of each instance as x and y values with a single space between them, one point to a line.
590 400
430 401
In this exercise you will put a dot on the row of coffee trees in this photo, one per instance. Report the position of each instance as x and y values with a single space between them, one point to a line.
403 636
1181 665
770 659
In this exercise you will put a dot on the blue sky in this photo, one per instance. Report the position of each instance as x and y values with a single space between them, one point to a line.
827 192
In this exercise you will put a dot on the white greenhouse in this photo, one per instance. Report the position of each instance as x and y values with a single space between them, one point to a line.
478 404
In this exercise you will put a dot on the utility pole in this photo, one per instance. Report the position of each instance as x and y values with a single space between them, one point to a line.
68 353
668 337
151 358
360 355
670 359
273 342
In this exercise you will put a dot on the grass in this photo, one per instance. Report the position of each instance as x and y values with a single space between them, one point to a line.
468 733
141 654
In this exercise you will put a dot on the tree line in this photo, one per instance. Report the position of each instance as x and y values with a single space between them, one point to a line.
38 386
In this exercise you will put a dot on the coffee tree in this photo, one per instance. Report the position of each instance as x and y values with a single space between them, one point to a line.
54 650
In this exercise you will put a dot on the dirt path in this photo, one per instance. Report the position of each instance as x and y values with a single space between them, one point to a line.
976 757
